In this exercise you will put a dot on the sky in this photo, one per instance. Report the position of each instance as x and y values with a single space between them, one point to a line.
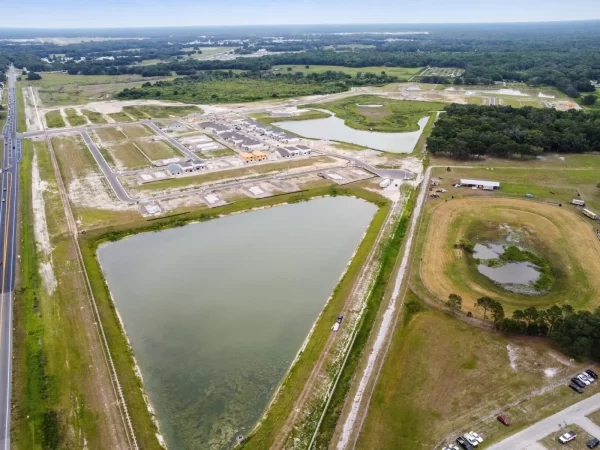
157 13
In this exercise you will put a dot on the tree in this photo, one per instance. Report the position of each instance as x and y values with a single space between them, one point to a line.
454 302
588 100
307 66
34 76
484 303
497 312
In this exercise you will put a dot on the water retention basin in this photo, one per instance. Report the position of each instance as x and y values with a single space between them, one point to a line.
217 311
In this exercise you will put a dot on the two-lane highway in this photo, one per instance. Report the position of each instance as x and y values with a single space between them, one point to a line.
11 156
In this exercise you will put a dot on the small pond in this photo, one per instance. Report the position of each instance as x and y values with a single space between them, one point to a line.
506 273
334 128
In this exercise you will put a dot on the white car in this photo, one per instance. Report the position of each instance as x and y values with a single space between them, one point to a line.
584 380
587 377
454 447
567 437
476 436
471 440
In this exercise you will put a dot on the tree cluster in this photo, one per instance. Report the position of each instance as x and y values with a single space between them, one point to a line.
471 131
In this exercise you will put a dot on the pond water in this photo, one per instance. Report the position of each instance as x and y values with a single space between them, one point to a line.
335 129
217 311
511 273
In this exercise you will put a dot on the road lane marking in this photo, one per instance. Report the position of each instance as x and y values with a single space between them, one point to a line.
7 215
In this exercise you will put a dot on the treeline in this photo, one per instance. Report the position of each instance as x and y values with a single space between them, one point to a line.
471 131
576 332
220 86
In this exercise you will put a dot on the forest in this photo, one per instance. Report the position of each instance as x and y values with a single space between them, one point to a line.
472 131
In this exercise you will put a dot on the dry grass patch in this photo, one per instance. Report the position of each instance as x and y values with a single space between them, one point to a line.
127 156
563 235
136 131
156 150
111 134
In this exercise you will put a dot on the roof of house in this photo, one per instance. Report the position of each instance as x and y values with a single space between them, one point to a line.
246 155
257 153
283 152
480 182
303 147
174 168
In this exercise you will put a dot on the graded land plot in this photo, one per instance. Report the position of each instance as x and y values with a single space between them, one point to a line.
403 73
159 112
86 186
462 374
551 442
94 117
136 131
62 392
559 235
55 120
442 72
213 154
110 134
120 117
125 156
308 115
74 118
156 150
373 113
259 170
58 89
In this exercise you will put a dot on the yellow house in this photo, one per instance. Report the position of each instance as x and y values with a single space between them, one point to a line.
259 156
247 157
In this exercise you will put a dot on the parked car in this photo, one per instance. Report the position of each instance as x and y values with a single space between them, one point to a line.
578 382
593 374
593 443
502 418
576 388
463 443
471 440
476 436
453 447
584 380
567 437
587 377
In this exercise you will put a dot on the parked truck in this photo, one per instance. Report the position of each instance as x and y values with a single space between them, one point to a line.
338 322
577 202
590 214
385 183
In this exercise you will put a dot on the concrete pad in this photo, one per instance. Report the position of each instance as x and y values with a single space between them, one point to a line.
212 200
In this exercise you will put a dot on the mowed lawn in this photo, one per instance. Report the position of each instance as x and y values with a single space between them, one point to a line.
54 119
442 374
404 73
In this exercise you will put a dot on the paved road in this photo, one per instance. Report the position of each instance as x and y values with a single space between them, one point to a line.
182 148
108 173
528 438
8 219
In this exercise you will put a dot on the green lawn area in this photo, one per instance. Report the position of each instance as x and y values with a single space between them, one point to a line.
363 113
121 117
551 442
54 119
403 73
58 89
74 118
462 373
268 119
159 111
595 417
94 117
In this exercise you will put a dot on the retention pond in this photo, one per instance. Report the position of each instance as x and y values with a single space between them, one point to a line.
334 128
217 311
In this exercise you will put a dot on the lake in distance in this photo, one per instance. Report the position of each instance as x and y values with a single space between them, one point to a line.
217 311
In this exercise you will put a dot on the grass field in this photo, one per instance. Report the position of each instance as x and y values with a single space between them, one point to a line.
110 134
557 233
55 120
136 131
58 89
459 375
595 417
159 112
551 442
121 117
127 157
403 73
156 150
268 119
74 118
94 117
392 116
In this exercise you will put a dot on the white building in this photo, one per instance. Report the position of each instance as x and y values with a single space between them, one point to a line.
480 184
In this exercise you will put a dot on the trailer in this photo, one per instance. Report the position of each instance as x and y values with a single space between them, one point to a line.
577 202
590 214
385 183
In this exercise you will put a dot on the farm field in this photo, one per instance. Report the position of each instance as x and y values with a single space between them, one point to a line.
361 113
159 112
55 120
404 73
560 235
464 374
58 89
75 119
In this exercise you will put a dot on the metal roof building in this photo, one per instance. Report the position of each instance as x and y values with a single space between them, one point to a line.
487 185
